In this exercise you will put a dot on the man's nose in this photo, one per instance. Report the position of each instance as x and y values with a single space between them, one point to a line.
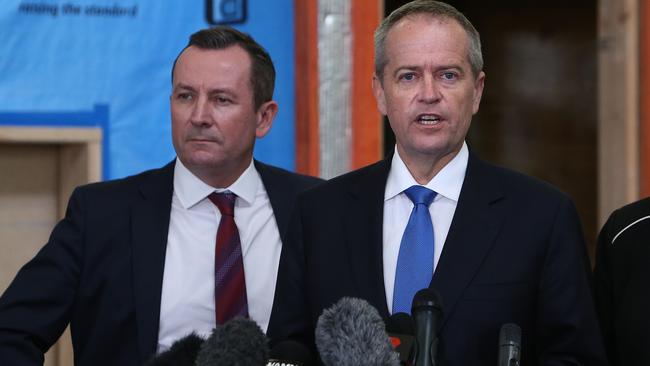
429 90
200 112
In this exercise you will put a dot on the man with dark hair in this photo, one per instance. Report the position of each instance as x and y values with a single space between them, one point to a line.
622 275
499 247
141 262
262 75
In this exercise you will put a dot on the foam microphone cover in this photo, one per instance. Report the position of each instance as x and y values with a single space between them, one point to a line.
238 342
352 333
183 352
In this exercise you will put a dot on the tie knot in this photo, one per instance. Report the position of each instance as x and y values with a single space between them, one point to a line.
420 195
225 202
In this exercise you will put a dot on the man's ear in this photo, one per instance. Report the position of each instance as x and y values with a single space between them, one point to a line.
265 116
378 91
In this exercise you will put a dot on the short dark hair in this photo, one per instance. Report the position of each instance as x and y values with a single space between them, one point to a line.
435 9
262 77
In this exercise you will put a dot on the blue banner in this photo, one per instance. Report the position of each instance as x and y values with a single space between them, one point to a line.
108 64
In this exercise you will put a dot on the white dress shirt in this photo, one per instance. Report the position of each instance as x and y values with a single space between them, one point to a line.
187 303
397 209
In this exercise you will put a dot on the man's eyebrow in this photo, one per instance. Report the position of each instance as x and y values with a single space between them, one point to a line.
220 91
450 67
407 67
183 86
210 91
438 68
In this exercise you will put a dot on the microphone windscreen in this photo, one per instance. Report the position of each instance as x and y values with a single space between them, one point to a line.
510 333
238 342
290 352
183 352
352 332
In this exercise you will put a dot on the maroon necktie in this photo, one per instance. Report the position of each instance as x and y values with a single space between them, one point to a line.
229 282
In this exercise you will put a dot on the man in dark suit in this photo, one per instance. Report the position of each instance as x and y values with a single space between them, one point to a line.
135 265
622 275
498 247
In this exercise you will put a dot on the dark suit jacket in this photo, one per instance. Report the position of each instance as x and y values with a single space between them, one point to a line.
514 253
102 271
622 284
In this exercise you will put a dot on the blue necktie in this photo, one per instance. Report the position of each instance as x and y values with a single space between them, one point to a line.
415 261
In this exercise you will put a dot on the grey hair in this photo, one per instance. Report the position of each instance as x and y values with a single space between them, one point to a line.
434 9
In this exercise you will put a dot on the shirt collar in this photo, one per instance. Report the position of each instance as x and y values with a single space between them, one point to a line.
190 190
447 183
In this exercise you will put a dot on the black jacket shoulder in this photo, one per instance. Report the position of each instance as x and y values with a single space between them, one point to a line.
293 181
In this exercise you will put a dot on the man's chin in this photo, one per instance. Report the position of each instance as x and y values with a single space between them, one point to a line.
202 161
430 151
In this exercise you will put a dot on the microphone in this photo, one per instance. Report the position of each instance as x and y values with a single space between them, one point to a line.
427 314
509 345
238 342
290 353
401 333
352 333
182 352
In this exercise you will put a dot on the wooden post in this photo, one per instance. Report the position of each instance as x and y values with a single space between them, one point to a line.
306 101
644 68
367 133
618 104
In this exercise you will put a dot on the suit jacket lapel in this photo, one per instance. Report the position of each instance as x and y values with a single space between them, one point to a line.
150 226
476 222
279 196
363 232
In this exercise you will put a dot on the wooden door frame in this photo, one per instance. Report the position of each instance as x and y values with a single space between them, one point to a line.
622 149
79 162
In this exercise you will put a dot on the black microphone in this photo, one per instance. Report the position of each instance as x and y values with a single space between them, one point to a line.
290 353
351 333
427 315
238 342
401 333
183 352
509 345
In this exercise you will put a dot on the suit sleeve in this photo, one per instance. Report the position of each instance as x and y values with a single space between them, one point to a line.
568 331
290 317
35 309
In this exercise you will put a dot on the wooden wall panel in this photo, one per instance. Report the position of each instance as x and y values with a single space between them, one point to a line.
306 71
618 105
366 121
41 167
644 69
